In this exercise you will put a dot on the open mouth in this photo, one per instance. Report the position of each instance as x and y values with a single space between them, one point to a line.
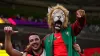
58 24
35 45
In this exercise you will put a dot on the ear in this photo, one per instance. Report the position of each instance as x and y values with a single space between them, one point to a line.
49 9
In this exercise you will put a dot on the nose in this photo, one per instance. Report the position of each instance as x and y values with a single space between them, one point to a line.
34 41
59 17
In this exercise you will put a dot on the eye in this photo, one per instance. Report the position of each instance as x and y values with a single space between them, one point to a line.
63 14
36 39
53 14
31 40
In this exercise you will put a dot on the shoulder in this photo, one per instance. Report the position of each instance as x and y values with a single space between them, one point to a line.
46 36
68 27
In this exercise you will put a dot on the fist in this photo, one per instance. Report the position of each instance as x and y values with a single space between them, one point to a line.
80 13
8 30
77 47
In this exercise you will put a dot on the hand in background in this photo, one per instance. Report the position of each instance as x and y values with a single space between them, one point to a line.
77 47
80 13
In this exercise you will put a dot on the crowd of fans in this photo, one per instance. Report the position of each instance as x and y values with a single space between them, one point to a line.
92 28
23 18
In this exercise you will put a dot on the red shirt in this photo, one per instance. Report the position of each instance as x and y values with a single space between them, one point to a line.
59 46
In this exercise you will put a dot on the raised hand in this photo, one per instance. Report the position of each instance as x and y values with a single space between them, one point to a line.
80 13
9 30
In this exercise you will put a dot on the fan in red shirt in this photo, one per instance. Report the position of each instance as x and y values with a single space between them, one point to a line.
58 23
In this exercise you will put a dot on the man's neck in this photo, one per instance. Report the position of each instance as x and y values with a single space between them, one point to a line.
38 52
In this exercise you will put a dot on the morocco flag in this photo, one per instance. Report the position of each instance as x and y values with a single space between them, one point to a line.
92 52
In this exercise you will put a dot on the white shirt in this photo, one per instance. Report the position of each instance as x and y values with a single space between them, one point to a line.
43 53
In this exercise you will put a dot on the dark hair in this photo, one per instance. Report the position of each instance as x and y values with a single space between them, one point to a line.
33 33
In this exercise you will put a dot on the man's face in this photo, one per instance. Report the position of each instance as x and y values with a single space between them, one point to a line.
58 18
35 41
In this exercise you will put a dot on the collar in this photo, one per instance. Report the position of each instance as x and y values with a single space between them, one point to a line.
40 53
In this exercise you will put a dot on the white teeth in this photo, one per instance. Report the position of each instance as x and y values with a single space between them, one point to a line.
57 28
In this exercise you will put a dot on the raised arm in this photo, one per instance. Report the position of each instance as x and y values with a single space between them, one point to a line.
8 44
80 22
